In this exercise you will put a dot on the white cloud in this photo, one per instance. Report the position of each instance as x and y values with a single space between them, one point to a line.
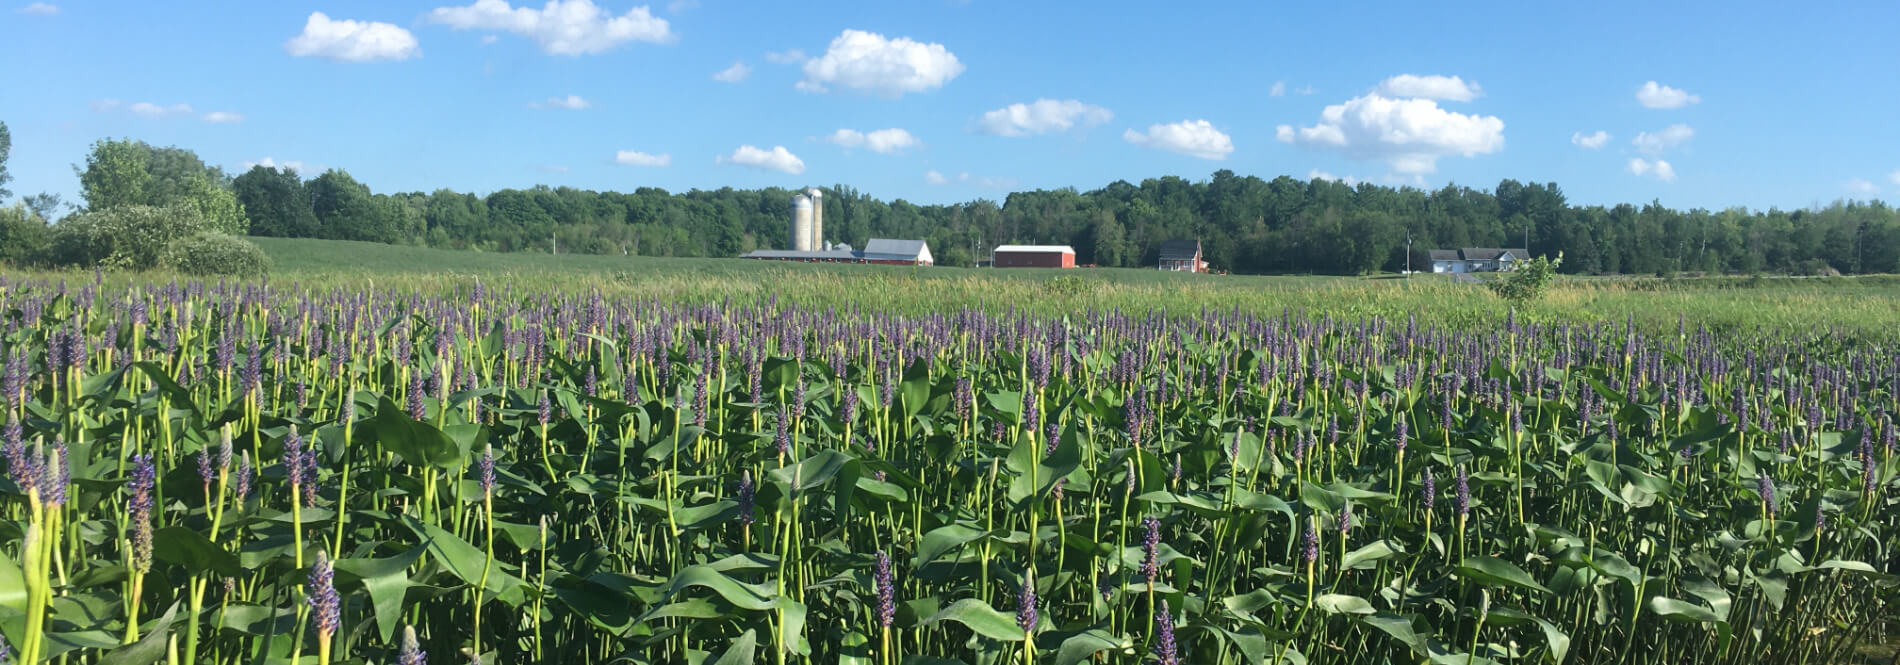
1196 138
887 141
1317 174
1658 96
637 158
1862 187
785 57
151 110
1278 89
935 178
223 118
1590 141
734 74
563 27
38 9
352 41
269 163
1408 134
1895 177
776 159
568 103
1449 88
1669 137
1659 169
869 62
1041 117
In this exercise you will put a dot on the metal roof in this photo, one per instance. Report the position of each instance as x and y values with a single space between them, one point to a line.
1034 248
905 248
1445 255
1491 253
1180 250
830 254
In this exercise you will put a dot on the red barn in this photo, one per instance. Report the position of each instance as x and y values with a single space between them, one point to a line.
1033 256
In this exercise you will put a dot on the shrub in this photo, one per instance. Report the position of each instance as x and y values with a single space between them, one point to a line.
216 254
1527 282
23 236
131 237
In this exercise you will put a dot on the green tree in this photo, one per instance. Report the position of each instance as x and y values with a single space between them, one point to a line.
1527 282
276 203
1110 241
115 175
6 147
344 208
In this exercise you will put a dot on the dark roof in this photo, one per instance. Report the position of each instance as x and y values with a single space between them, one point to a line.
1180 250
1492 254
1444 255
909 248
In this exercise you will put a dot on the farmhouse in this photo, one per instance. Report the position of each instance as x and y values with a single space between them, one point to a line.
1033 256
1182 256
1473 259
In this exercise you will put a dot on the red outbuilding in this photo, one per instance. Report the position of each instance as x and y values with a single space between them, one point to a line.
1033 256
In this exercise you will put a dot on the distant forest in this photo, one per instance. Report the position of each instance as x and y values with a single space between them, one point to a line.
1246 224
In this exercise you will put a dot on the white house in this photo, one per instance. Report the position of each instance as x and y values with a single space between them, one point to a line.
1473 259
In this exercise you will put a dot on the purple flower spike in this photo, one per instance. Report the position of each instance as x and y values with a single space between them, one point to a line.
411 653
325 604
1405 434
747 492
488 469
1150 545
1429 493
1166 652
245 474
1765 486
1026 604
886 593
1311 552
144 479
1462 500
293 457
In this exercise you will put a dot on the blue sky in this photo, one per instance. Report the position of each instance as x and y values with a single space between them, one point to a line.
1754 103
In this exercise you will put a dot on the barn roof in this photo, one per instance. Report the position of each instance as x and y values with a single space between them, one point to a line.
1445 255
1491 253
1065 249
906 248
1180 250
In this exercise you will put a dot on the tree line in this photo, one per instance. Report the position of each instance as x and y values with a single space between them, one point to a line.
1246 224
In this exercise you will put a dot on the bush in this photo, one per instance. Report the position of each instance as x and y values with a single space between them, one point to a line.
1527 282
23 236
216 254
131 237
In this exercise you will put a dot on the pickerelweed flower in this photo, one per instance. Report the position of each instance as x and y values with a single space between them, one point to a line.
1166 652
20 464
1429 492
782 440
204 468
747 494
1150 549
1765 487
487 467
139 509
1311 551
1344 523
1462 500
1404 435
886 593
410 653
56 474
325 604
1026 603
244 476
293 457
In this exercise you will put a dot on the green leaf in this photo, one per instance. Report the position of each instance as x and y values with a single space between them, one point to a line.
185 547
12 584
1369 556
387 581
1398 627
465 562
981 619
745 596
1492 571
1682 611
418 443
150 648
942 540
1339 603
740 652
1081 647
813 471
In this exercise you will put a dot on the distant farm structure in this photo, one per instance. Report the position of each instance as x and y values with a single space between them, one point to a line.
806 239
1477 259
1033 256
1182 256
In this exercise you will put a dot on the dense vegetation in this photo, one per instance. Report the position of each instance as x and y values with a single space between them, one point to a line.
246 473
1247 224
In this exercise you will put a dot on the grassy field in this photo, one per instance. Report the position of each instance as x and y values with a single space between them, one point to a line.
1859 306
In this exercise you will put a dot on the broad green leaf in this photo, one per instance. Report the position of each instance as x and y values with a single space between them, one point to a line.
944 539
151 645
981 619
387 581
1337 603
185 547
1492 571
741 650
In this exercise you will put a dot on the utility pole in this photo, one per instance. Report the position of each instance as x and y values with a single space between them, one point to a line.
1408 253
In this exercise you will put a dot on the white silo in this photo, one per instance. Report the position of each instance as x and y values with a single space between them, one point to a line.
801 224
817 217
